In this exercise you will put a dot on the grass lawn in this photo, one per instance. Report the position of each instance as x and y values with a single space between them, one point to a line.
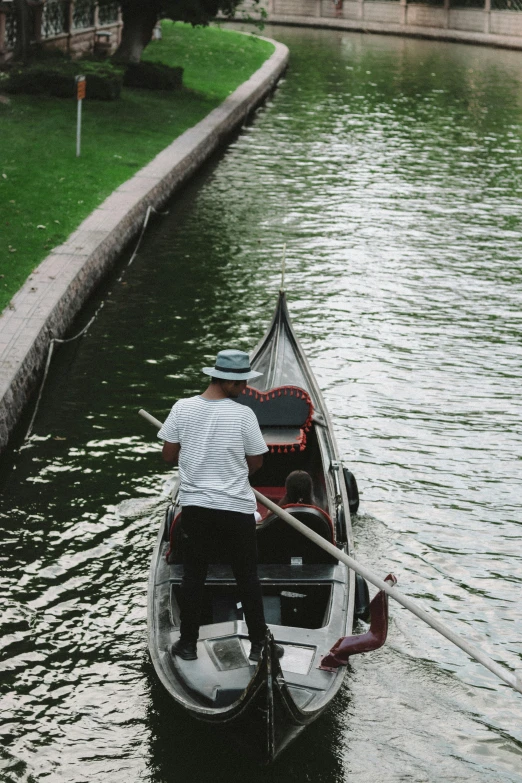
45 191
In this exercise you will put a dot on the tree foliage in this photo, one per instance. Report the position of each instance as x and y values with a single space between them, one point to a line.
141 16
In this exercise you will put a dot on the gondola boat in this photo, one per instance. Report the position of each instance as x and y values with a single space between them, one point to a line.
310 599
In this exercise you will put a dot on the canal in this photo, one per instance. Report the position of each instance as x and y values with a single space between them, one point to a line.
392 170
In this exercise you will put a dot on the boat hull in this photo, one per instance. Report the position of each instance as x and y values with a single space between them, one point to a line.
265 707
266 719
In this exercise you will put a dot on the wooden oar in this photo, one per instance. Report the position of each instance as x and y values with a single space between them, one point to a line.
510 678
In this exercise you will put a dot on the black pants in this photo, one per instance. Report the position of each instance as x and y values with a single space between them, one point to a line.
207 531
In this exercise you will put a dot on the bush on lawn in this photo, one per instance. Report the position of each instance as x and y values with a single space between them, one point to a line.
39 53
58 78
153 76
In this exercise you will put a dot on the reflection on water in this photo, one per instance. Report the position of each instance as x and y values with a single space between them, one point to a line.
391 168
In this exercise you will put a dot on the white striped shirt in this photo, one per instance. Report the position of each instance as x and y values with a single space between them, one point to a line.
215 436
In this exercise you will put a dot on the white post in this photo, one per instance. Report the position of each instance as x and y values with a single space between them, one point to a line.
80 95
79 128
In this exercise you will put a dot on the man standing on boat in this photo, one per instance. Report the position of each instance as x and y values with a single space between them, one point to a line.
217 444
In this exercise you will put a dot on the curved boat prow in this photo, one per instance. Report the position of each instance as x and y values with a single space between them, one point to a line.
269 664
280 724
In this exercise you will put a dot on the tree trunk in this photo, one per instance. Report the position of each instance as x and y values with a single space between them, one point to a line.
139 19
23 30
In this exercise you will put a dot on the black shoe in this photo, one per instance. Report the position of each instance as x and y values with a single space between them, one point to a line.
185 650
257 648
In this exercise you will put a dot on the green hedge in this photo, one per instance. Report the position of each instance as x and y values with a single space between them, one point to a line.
153 76
58 78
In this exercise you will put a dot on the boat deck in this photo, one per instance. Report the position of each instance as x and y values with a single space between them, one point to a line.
222 670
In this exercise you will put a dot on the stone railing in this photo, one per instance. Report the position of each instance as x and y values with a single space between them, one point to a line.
496 22
74 26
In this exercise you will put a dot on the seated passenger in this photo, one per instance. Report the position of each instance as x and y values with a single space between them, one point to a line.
298 489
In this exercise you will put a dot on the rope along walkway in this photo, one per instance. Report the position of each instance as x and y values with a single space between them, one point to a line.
57 341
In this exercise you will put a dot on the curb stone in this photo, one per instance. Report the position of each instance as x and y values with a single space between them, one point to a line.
58 288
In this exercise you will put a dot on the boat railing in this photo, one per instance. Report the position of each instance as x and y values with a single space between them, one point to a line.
271 572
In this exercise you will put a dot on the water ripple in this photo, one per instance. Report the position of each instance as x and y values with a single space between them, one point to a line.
392 170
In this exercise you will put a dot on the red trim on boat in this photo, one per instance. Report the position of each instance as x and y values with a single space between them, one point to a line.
171 535
364 642
299 443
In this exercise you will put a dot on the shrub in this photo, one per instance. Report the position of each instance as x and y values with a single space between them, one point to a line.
58 78
38 53
153 76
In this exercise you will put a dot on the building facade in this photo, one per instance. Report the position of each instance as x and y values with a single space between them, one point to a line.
77 27
494 22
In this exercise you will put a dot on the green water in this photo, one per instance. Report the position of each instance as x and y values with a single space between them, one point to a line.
392 170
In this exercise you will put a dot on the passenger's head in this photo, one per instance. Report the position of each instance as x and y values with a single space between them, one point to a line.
298 487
